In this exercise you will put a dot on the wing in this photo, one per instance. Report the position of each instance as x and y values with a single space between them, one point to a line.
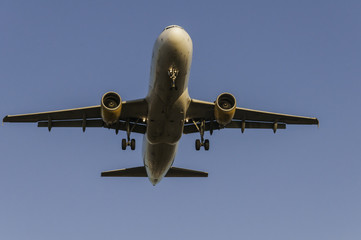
132 112
243 118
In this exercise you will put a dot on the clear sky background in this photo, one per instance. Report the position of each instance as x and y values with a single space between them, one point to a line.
295 57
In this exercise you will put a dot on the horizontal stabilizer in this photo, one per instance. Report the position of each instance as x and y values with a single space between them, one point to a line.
126 172
182 172
141 172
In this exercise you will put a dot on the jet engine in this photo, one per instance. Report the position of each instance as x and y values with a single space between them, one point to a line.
225 108
110 107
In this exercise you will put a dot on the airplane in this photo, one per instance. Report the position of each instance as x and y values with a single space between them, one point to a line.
165 114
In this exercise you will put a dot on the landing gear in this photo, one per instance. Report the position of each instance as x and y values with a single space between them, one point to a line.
173 73
128 141
206 144
198 144
201 142
124 144
132 144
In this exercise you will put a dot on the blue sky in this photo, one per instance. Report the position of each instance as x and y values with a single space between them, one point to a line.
295 57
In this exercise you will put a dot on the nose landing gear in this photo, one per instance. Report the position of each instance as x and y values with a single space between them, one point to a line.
173 73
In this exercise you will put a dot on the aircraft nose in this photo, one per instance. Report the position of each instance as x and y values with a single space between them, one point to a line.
176 37
173 26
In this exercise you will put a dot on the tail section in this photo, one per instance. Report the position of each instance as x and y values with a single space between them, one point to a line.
141 172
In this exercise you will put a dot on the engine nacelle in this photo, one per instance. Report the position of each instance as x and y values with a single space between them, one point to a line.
225 108
110 107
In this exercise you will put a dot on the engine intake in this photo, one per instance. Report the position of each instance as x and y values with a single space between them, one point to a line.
225 108
110 107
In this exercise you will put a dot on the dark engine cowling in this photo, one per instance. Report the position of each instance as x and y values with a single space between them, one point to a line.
110 107
225 108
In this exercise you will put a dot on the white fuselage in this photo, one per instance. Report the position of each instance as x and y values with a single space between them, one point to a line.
168 100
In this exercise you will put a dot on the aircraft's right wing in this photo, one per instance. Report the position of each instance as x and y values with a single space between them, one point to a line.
243 118
132 111
66 114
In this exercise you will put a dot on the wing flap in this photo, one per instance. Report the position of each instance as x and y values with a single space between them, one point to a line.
255 125
191 128
73 123
137 128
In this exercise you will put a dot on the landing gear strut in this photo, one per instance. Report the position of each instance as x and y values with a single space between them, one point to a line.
201 142
128 141
173 73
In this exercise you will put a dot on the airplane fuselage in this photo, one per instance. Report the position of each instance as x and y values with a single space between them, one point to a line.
168 100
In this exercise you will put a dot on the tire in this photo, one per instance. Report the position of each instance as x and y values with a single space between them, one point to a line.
132 144
124 144
206 144
198 144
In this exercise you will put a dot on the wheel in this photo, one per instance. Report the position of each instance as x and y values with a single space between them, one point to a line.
124 144
206 144
132 144
198 144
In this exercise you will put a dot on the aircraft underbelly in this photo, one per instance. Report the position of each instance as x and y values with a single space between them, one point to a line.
168 101
165 122
164 129
158 159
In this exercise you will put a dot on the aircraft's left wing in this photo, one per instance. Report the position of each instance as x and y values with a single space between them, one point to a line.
243 118
66 114
132 111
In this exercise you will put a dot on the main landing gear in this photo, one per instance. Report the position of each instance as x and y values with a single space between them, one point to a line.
201 142
204 143
128 141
